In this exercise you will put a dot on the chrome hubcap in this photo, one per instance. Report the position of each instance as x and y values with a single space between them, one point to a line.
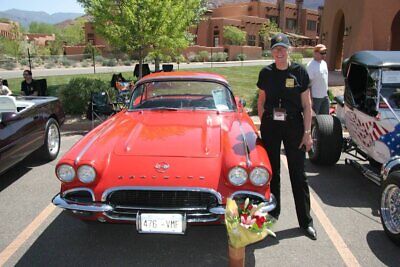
314 139
53 139
390 208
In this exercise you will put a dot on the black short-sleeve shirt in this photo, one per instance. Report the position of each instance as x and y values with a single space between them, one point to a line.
29 88
284 87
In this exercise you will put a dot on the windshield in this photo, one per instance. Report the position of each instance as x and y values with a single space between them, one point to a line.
392 95
182 95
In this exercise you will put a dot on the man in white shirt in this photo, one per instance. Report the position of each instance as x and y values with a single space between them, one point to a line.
4 89
318 72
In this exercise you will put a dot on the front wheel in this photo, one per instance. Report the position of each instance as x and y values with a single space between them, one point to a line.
390 206
327 136
52 141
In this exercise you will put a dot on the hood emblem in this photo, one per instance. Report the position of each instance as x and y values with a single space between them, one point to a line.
161 167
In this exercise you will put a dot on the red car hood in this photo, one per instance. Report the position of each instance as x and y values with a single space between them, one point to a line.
169 133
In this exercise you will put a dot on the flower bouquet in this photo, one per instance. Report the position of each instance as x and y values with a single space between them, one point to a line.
245 225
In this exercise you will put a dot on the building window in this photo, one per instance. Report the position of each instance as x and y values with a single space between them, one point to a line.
291 24
311 25
216 39
251 40
90 36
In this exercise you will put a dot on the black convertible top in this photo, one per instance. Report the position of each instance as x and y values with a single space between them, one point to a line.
372 59
376 58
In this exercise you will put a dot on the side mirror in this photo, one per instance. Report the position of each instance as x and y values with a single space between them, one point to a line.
242 102
7 117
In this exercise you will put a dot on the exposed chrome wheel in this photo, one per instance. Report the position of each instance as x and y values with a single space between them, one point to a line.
390 208
53 139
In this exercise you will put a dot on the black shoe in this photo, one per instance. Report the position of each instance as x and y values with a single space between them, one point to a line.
310 232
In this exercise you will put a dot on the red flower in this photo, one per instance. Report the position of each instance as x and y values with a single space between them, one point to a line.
249 207
260 220
244 216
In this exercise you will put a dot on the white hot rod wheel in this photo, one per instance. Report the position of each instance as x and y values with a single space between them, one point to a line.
327 136
52 139
390 206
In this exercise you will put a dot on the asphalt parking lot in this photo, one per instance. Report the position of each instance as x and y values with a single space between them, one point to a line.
345 209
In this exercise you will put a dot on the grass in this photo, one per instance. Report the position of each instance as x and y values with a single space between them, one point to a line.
242 80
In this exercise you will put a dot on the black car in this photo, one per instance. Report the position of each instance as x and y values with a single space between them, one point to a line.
28 124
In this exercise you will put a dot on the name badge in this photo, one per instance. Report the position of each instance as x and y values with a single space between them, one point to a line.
289 83
279 114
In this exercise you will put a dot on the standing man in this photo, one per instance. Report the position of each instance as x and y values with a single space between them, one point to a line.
284 108
318 72
29 85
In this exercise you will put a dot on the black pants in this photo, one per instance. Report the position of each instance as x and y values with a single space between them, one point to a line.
290 132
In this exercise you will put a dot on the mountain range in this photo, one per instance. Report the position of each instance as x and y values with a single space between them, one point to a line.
26 17
311 4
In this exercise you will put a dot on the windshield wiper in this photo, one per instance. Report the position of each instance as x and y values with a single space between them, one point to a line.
163 108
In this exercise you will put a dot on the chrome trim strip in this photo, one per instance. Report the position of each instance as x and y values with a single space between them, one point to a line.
71 205
246 146
388 166
63 194
160 209
160 188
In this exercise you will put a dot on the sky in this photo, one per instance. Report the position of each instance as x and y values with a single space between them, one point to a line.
49 6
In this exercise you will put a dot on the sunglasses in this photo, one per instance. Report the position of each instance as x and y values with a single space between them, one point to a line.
322 53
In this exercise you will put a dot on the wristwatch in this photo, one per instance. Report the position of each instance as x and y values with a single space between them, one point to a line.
307 131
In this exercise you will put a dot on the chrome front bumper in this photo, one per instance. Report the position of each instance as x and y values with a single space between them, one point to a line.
92 208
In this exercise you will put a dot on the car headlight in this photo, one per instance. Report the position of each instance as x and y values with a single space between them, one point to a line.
237 176
259 176
65 173
86 174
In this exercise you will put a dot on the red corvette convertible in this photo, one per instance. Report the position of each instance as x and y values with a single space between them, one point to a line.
183 146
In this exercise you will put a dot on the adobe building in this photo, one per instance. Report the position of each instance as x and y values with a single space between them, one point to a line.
6 29
40 39
351 26
293 19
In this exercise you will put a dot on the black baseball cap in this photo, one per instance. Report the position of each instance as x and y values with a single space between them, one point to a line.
280 39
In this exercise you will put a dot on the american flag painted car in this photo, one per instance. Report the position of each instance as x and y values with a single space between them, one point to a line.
370 112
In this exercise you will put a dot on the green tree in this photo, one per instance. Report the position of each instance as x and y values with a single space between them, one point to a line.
12 47
73 34
267 30
141 26
45 28
234 35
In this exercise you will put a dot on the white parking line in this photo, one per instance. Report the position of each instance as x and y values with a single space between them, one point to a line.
333 234
10 250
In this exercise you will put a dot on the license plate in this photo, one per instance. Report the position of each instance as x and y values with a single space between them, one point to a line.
160 223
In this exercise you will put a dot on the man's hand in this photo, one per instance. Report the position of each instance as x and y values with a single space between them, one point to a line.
306 141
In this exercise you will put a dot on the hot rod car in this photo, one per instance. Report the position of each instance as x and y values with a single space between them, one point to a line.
183 146
28 124
370 111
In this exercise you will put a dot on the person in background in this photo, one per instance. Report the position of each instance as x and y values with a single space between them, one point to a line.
29 86
318 72
4 89
284 108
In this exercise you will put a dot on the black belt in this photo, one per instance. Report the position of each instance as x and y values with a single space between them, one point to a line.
289 116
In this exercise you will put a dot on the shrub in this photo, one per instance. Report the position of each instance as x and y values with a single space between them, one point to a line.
309 52
253 104
193 57
75 96
180 59
23 61
66 62
9 65
267 54
110 62
50 65
127 63
241 57
99 59
219 57
203 56
84 64
297 57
